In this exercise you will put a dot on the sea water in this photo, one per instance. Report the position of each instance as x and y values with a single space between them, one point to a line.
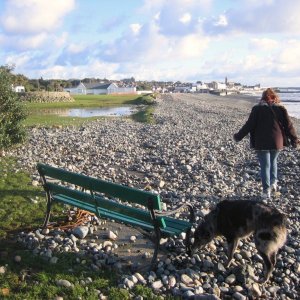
290 98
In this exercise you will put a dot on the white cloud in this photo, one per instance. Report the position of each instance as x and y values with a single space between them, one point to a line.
60 41
190 46
32 42
222 21
272 16
34 16
75 48
185 18
288 59
177 17
19 60
263 44
157 16
95 68
135 28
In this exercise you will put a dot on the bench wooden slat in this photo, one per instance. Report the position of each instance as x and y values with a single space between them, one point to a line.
86 201
113 215
76 194
137 213
169 228
73 202
115 190
176 223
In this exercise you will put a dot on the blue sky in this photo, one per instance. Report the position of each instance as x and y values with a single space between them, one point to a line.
249 41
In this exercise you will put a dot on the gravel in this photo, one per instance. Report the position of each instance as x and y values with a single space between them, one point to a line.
188 155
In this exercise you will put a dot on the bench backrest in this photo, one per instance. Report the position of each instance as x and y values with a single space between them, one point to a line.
110 189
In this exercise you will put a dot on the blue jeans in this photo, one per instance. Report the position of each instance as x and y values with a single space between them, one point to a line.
268 167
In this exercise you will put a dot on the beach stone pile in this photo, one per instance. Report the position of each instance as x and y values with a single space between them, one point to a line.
44 96
188 155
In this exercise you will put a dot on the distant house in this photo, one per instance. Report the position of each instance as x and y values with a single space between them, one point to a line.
99 89
182 89
18 89
218 85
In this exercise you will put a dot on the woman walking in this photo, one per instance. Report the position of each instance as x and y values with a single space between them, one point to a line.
269 125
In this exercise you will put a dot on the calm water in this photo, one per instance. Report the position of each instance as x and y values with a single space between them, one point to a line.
291 101
93 112
290 98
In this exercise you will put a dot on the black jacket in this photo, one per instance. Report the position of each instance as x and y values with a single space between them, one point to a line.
265 132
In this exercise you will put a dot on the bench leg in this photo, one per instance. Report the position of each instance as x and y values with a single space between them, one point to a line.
188 242
48 211
157 243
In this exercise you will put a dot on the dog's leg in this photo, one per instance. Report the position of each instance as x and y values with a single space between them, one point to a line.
273 258
269 265
232 244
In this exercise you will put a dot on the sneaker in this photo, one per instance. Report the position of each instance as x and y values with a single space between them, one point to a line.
274 187
266 194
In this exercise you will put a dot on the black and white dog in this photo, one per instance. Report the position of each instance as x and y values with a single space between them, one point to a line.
235 219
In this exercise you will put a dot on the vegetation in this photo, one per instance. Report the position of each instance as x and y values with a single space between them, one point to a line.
12 112
41 84
22 208
38 118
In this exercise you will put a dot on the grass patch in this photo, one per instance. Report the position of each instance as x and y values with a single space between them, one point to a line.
17 197
144 116
37 118
22 208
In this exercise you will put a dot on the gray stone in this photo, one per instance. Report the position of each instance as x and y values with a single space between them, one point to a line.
64 283
81 231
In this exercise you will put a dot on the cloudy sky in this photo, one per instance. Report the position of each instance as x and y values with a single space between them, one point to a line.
249 41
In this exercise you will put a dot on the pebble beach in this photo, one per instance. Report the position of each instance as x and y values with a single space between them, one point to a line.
187 155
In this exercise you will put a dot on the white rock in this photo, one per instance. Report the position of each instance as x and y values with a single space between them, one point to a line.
172 281
107 244
186 279
112 236
230 279
256 290
64 283
35 183
140 278
17 258
129 283
156 285
132 239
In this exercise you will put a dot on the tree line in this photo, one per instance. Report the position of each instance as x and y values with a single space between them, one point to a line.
58 85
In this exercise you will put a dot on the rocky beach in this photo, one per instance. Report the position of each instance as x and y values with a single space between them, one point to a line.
187 155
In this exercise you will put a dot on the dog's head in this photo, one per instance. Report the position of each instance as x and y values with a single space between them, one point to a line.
204 234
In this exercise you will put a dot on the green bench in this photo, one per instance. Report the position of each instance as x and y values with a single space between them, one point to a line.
114 202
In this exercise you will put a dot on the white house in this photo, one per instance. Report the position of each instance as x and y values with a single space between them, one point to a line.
218 85
99 89
18 89
201 87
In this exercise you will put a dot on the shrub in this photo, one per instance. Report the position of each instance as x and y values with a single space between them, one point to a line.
12 112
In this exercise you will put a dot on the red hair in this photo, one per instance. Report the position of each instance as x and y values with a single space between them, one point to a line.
270 96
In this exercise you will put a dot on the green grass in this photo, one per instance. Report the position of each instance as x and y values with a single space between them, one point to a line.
17 196
34 277
37 118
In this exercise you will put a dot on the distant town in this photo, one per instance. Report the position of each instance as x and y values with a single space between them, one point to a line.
90 86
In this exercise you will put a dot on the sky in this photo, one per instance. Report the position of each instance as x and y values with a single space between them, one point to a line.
247 41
